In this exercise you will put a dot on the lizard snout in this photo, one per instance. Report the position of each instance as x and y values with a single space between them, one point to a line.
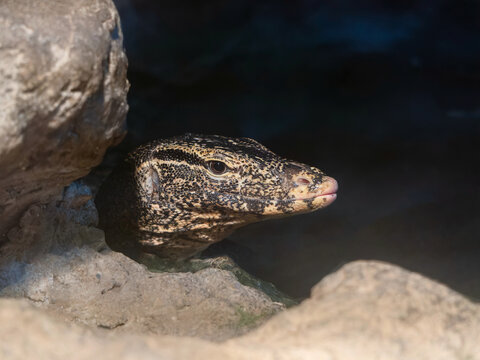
310 184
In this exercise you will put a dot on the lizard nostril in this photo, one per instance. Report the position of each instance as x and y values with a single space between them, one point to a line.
302 181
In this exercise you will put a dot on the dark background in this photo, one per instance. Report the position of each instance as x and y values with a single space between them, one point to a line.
381 95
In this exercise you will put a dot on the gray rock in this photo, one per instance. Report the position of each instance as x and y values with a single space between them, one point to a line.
108 290
366 310
64 223
29 333
69 270
62 95
373 310
222 262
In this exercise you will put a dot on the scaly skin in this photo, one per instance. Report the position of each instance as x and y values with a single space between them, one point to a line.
176 197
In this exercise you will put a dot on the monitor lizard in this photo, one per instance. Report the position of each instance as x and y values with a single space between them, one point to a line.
175 197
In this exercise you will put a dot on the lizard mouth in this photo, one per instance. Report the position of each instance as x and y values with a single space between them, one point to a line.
329 195
301 200
313 200
327 198
328 190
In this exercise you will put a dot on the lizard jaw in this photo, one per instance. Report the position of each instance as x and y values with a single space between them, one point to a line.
324 196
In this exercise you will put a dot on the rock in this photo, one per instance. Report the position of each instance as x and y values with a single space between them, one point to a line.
62 95
108 290
366 310
70 271
373 310
66 222
29 333
222 262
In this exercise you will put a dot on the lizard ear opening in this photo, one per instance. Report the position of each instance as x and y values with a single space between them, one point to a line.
152 184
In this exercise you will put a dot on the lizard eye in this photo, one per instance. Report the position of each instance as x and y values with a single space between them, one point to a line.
217 167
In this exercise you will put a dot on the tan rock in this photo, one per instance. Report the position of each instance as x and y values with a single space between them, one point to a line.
366 310
68 269
108 290
62 95
373 310
29 333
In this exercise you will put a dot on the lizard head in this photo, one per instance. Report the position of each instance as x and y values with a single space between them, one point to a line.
198 189
231 175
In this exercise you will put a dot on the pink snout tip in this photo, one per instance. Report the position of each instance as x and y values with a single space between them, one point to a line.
330 186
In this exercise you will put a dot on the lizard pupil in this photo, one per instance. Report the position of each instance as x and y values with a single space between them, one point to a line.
217 167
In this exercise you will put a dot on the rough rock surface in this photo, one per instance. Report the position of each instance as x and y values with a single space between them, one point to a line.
28 333
366 310
108 290
374 310
62 95
67 221
69 270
